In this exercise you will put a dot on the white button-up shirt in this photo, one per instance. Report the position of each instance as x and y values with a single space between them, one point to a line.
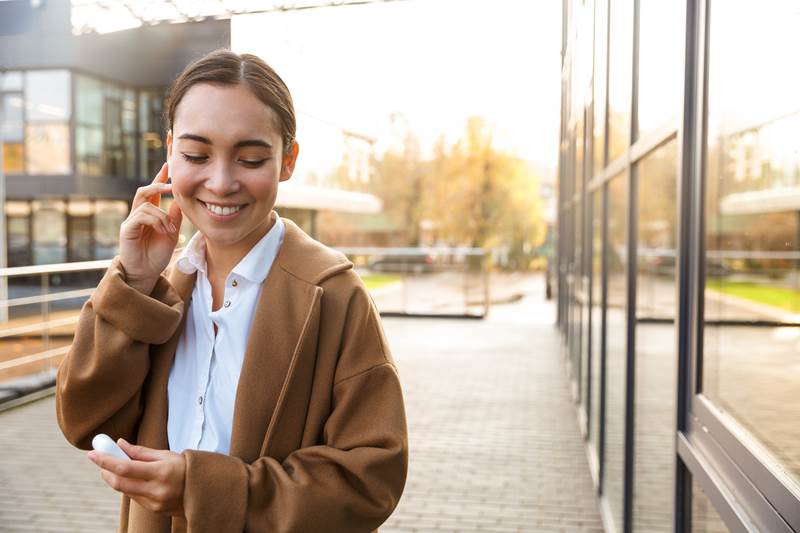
204 377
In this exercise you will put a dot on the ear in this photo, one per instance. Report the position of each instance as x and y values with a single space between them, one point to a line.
289 160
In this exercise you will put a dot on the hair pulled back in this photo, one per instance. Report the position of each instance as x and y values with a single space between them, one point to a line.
224 67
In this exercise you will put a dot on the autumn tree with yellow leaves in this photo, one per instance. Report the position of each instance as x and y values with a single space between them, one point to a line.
471 192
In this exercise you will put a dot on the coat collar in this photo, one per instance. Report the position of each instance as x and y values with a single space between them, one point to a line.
282 340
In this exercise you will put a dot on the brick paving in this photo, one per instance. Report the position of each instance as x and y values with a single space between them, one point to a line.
494 438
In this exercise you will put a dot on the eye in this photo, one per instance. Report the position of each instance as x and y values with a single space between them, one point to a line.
197 159
253 163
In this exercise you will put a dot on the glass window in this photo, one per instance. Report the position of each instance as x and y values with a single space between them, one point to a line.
11 81
19 235
89 101
129 112
752 266
619 77
79 224
13 133
597 317
108 217
661 36
89 150
616 345
49 232
47 149
152 153
600 64
48 95
705 518
656 351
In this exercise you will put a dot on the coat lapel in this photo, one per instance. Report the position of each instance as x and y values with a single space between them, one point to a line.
285 320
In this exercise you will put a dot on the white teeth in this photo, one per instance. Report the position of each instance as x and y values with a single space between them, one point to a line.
219 210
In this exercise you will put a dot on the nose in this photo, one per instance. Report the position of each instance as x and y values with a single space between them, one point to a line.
221 180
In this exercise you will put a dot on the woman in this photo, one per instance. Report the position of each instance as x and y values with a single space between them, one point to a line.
249 368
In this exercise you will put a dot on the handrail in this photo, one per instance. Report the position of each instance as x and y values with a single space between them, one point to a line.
371 250
29 328
51 297
40 356
55 268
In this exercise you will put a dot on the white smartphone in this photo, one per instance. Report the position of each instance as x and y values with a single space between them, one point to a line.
105 444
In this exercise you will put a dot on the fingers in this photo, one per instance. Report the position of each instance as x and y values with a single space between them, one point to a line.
149 215
152 193
122 468
128 485
142 453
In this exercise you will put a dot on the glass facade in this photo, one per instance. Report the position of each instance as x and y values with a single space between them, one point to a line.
679 254
59 123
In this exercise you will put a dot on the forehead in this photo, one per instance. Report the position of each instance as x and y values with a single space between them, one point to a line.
225 114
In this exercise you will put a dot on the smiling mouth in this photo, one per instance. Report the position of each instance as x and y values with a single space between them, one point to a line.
222 210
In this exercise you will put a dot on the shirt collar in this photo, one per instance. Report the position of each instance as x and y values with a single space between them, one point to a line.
254 266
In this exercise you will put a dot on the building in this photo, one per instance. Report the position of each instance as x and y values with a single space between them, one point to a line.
82 127
678 259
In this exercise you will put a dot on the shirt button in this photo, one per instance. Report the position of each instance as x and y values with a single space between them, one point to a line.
227 303
234 283
200 400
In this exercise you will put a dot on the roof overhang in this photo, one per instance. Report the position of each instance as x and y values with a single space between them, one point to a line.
759 202
105 16
324 199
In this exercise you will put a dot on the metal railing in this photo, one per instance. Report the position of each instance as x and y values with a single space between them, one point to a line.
15 328
431 282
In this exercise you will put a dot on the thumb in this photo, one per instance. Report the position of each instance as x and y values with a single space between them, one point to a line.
139 453
175 214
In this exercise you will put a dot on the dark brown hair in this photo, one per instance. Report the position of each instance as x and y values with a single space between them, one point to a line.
223 67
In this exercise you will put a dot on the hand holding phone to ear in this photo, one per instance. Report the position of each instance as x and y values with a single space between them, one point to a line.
149 235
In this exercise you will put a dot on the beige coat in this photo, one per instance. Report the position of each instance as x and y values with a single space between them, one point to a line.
319 439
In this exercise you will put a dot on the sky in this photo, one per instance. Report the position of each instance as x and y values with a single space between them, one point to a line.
436 62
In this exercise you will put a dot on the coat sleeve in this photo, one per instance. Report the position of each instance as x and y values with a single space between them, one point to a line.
350 483
99 382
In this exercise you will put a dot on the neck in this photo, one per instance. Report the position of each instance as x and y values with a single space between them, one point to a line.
221 258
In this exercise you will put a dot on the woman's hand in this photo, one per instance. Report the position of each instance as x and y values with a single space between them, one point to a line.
148 236
154 478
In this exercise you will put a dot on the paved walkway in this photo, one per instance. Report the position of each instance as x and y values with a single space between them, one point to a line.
494 439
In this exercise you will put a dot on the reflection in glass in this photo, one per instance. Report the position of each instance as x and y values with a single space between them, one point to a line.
11 81
616 342
47 149
600 63
656 352
752 267
705 518
597 316
619 77
12 132
89 150
661 36
48 95
89 101
19 233
109 214
49 232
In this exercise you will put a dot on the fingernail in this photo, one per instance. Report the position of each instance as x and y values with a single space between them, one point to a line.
91 455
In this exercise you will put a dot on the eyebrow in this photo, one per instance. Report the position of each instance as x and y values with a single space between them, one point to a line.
239 144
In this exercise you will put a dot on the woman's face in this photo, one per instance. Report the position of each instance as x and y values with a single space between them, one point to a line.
226 157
